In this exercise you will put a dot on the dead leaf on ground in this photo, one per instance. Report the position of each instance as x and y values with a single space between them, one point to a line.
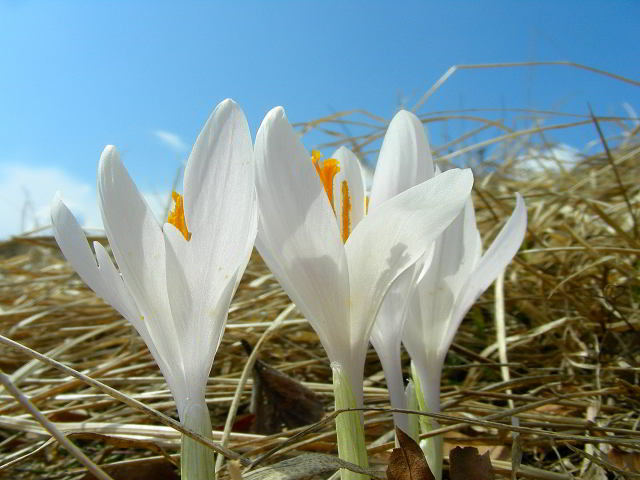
629 461
243 424
467 464
407 462
456 438
151 470
279 399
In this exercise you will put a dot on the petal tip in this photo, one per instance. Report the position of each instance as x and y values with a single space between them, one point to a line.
228 105
342 150
57 198
276 119
108 155
463 175
109 150
276 114
57 207
404 117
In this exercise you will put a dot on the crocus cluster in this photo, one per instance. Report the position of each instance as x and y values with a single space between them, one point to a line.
408 255
427 303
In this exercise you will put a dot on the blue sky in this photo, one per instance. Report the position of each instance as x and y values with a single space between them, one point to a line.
75 76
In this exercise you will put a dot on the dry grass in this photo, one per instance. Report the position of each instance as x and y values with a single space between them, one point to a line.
572 334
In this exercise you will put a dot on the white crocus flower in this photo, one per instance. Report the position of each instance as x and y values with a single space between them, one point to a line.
457 275
404 161
336 267
174 282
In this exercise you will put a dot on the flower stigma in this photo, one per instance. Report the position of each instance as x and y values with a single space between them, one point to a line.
326 170
176 215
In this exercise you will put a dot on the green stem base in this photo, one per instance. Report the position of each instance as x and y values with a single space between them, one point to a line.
349 426
432 446
197 461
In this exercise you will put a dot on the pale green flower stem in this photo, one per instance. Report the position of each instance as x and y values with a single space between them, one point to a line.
432 446
197 461
349 425
412 404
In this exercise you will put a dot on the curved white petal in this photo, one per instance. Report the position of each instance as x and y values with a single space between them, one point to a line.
122 300
495 260
404 160
349 212
394 236
456 253
298 236
221 216
390 358
75 248
391 315
174 377
137 243
386 337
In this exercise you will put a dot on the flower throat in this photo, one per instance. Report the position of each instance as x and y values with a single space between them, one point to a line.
327 170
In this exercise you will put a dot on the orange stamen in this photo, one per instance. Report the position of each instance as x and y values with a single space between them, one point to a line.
346 211
326 170
176 215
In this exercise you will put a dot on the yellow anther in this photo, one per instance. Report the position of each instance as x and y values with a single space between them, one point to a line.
326 170
176 215
346 211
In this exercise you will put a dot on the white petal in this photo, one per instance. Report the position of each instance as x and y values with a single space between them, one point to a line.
221 215
122 300
386 337
351 173
75 248
456 253
404 160
495 260
392 368
173 376
137 243
394 236
390 320
298 236
219 187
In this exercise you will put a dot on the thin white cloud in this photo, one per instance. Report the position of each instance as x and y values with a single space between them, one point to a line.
26 193
171 139
552 158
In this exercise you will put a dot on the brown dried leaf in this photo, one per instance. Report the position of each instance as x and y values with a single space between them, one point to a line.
456 438
628 461
467 464
407 462
150 470
242 424
279 399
